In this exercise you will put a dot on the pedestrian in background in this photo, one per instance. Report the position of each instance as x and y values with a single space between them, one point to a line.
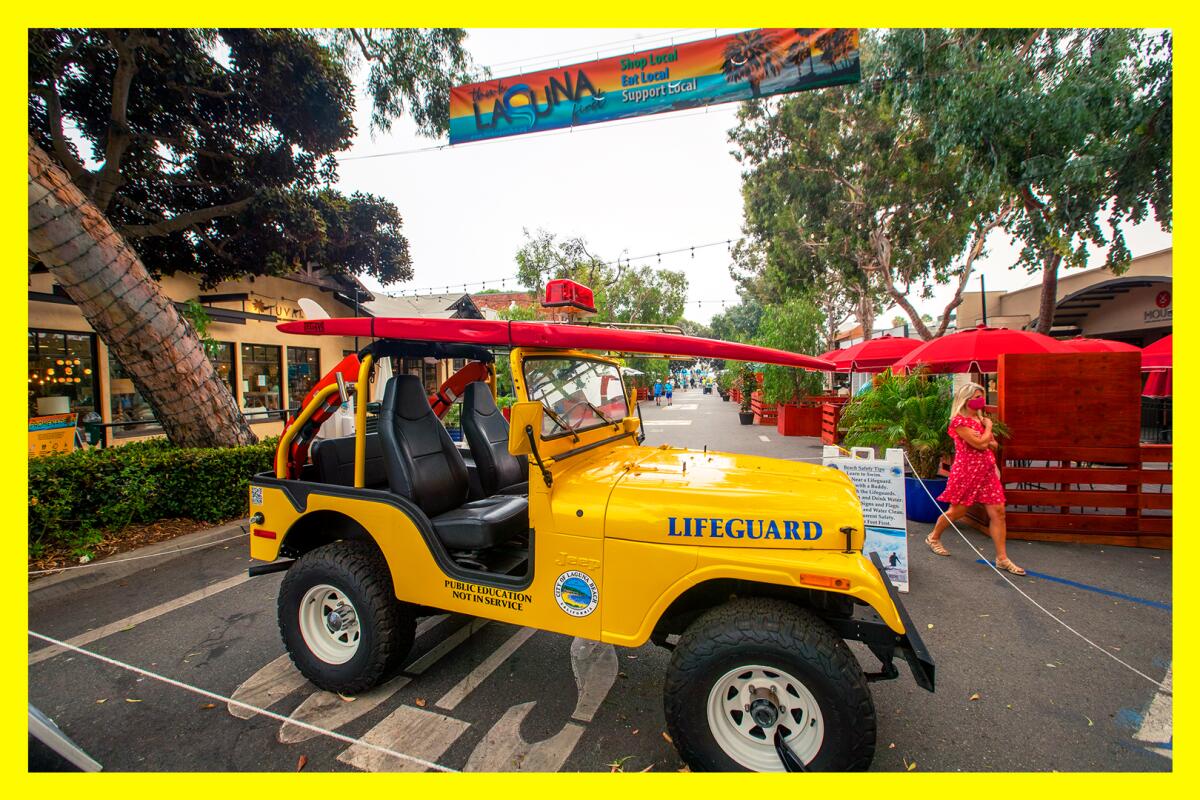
669 390
974 476
658 390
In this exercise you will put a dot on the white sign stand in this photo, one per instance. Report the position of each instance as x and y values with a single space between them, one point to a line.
880 487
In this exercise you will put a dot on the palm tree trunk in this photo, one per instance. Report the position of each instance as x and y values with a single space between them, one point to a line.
142 328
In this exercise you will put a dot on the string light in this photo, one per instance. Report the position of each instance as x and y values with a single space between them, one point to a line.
691 249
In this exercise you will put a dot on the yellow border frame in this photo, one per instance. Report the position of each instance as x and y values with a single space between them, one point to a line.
868 13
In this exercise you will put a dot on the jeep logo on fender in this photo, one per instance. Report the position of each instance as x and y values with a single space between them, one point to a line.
717 528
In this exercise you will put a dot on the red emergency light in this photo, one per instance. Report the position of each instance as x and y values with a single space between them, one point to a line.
562 292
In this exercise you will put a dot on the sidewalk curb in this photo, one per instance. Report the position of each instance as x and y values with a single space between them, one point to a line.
101 574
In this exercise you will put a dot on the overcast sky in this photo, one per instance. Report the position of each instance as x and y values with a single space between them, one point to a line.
629 188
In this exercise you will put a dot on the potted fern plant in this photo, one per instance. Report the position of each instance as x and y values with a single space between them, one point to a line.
725 383
913 413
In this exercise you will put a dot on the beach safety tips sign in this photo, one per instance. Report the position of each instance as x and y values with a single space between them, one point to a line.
724 69
880 487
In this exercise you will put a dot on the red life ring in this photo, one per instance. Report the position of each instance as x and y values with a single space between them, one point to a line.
298 450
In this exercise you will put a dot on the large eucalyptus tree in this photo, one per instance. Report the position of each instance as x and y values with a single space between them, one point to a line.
211 152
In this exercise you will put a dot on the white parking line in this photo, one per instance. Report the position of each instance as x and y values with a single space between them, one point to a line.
280 678
762 438
650 423
504 749
683 407
267 687
428 733
1156 728
595 668
456 695
331 711
82 639
445 646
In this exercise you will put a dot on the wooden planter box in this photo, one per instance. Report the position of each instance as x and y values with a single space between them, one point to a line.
643 393
736 395
798 420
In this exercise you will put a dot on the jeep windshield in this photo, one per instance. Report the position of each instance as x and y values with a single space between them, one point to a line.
581 394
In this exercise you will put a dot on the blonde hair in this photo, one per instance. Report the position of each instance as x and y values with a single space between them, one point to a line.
964 393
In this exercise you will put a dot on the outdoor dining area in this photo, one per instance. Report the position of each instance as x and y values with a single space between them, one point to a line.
1087 453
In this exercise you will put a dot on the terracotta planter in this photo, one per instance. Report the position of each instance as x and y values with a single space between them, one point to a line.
798 420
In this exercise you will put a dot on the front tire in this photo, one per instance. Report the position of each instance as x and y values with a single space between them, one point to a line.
752 666
340 620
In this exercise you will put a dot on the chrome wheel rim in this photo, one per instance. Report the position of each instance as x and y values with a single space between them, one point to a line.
329 624
748 704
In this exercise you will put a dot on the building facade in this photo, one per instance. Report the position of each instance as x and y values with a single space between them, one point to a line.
268 371
1133 307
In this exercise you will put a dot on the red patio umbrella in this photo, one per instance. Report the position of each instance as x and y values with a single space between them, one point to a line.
977 349
874 355
1158 383
828 355
1157 355
1082 344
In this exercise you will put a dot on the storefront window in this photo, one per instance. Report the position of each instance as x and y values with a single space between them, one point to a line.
221 356
61 365
304 370
261 369
422 369
126 404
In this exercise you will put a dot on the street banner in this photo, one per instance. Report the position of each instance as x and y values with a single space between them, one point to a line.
725 69
54 433
880 487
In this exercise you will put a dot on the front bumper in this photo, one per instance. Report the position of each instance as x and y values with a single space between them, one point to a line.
867 627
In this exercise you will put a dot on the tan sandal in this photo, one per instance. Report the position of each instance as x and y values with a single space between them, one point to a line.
936 546
1007 565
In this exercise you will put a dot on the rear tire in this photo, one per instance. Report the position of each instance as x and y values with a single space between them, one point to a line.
340 620
786 664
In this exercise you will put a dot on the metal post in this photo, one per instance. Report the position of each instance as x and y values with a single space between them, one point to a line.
356 312
983 297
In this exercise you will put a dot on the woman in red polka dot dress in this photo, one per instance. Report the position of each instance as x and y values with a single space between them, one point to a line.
974 476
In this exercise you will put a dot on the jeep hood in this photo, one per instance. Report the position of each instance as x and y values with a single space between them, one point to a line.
712 499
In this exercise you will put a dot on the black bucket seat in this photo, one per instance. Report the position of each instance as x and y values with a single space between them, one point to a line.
423 465
486 432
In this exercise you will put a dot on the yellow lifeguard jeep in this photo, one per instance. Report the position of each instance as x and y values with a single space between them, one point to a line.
750 569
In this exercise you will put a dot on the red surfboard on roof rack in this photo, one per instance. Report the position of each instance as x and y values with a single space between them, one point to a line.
500 333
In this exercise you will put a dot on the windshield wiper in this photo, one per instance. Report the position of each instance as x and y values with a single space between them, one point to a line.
560 422
600 413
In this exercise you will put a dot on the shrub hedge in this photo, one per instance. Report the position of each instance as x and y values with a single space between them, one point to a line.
76 497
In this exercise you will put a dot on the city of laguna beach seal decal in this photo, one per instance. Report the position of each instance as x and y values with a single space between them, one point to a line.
576 593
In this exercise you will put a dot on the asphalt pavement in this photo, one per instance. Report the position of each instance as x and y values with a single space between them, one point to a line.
1016 690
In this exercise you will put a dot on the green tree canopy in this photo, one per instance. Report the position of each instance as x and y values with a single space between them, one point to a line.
737 323
212 151
623 293
1073 126
797 326
843 195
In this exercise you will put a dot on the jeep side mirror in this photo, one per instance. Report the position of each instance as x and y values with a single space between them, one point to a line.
521 416
524 428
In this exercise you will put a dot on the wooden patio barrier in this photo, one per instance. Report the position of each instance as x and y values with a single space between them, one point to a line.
831 415
764 414
1074 469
